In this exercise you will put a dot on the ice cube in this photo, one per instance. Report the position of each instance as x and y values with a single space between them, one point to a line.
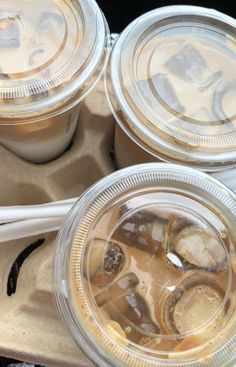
109 264
193 303
116 291
138 313
9 32
36 56
124 305
133 315
222 88
95 259
200 247
166 92
189 65
196 308
48 27
114 259
144 230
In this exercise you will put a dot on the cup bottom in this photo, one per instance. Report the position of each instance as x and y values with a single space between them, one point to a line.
127 152
43 141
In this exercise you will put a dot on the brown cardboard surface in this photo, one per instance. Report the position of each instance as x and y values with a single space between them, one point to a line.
30 326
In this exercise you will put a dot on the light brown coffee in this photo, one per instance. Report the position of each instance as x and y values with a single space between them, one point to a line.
162 277
47 64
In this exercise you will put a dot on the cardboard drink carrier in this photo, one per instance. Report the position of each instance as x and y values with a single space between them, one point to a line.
31 327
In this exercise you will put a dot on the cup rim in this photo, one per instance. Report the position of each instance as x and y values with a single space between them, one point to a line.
72 94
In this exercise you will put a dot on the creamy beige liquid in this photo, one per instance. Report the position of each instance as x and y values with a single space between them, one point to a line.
35 43
162 280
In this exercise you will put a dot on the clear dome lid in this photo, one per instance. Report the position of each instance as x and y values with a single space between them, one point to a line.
172 81
146 269
50 52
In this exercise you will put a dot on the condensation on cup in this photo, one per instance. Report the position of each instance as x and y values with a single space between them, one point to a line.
171 83
145 269
51 55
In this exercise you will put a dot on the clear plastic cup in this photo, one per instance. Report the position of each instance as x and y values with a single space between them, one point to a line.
51 55
145 269
171 83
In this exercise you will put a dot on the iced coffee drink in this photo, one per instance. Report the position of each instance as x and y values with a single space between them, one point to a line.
171 83
51 55
148 265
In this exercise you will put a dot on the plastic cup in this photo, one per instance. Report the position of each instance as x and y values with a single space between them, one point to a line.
145 269
51 56
171 84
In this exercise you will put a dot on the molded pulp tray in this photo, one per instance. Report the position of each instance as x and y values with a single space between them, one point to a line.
30 326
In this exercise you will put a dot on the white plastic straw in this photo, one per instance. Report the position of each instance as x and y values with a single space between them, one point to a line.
28 228
59 209
30 220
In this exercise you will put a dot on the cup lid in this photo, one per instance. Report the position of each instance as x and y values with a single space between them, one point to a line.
146 269
48 54
173 84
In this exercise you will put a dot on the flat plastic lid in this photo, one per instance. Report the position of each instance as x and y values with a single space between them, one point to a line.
48 51
173 74
149 269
